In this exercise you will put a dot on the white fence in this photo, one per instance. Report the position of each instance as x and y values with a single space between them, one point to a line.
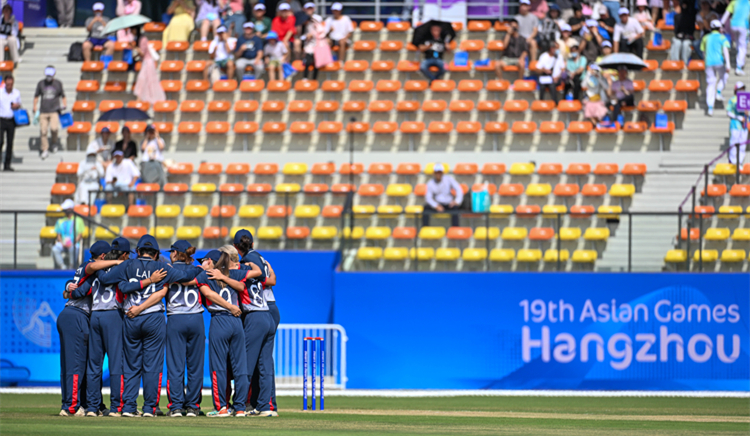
288 354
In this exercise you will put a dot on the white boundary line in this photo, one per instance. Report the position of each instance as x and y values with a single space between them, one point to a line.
423 393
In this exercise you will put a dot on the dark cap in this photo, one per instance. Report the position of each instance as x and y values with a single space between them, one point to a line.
121 244
148 241
577 7
240 233
99 248
106 130
214 255
180 246
126 129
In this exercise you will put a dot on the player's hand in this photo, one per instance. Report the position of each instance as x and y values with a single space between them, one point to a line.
440 208
134 311
71 287
236 311
66 295
215 274
158 275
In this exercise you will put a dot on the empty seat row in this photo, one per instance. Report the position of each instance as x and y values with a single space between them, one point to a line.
728 255
474 254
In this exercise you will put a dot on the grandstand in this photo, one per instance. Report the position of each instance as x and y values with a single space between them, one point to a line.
273 157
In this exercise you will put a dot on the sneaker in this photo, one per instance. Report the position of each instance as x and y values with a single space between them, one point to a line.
8 169
158 411
80 412
230 409
267 413
239 414
223 413
190 412
114 415
92 414
148 415
175 413
130 415
739 72
44 155
64 413
719 97
710 112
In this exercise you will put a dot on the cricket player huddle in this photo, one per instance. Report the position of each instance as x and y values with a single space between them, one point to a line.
116 307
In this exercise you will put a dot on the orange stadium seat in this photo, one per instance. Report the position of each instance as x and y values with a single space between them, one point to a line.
391 46
192 106
334 85
142 105
171 85
219 106
306 85
198 85
523 127
189 127
383 66
300 106
171 66
407 66
412 127
165 106
461 106
385 127
252 85
301 127
416 85
399 26
274 127
357 127
388 85
217 127
225 86
327 106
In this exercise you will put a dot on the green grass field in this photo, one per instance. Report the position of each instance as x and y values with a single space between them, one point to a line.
37 415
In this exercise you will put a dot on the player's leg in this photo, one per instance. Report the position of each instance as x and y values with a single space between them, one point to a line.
155 329
176 353
254 334
266 370
218 349
73 327
196 351
94 365
273 309
238 359
113 345
133 353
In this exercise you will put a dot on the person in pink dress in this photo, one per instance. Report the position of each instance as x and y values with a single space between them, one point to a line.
147 87
127 7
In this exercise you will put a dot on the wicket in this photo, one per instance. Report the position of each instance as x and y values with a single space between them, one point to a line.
317 354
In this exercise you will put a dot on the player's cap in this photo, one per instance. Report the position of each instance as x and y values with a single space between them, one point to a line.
337 6
438 168
248 25
565 28
739 85
240 233
260 7
284 7
214 255
309 5
99 248
624 11
525 2
715 24
68 204
121 244
606 44
180 246
148 241
98 6
221 29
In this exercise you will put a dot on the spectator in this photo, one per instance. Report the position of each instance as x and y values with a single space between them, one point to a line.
516 51
657 7
596 93
628 36
643 15
147 86
606 51
261 22
737 128
221 51
613 10
339 28
121 176
90 171
591 42
549 68
66 10
566 8
540 8
276 54
315 33
102 147
739 10
577 21
528 26
249 52
715 47
10 100
207 18
234 18
548 29
566 39
575 68
182 23
69 232
621 93
433 48
443 194
301 18
9 34
607 24
684 32
152 157
127 7
126 145
703 22
50 90
283 25
95 26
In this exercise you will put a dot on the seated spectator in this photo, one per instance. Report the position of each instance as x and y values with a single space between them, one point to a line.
596 94
152 157
249 52
684 32
549 68
208 18
121 176
339 28
182 23
621 93
433 48
276 56
69 232
261 22
126 145
127 7
528 26
577 21
9 34
90 171
591 42
575 68
540 8
607 23
628 37
443 194
300 21
643 15
102 147
95 26
283 25
548 30
516 51
609 74
566 39
221 51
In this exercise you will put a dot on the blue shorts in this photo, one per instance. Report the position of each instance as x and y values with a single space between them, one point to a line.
98 42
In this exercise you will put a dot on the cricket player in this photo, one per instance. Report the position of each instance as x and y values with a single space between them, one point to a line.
715 48
737 128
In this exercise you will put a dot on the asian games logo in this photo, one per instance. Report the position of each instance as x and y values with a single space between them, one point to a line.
34 319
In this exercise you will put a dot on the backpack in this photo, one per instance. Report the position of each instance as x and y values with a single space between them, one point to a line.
75 54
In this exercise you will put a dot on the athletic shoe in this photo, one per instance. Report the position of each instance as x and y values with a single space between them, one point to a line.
80 412
239 414
148 415
190 412
739 72
44 155
719 97
230 409
114 415
223 413
158 411
710 112
94 414
64 413
131 415
267 413
176 413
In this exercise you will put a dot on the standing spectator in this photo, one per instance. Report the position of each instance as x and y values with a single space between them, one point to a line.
621 93
207 18
433 48
539 8
50 90
715 47
315 34
737 128
9 34
147 87
596 93
69 232
221 51
339 28
283 25
276 54
66 10
613 9
628 36
548 30
10 100
550 67
126 145
152 157
95 26
739 10
516 51
657 7
182 23
102 147
643 15
300 21
684 32
249 52
443 193
127 7
528 26
261 22
121 176
234 18
577 21
90 171
575 67
607 24
703 22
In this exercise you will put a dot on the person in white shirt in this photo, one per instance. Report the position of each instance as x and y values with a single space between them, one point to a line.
9 34
628 37
550 67
122 175
339 29
90 170
10 100
276 56
221 51
152 157
443 193
102 147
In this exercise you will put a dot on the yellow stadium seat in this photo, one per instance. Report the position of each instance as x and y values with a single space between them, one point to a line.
270 232
48 232
432 233
195 211
447 254
102 232
502 254
324 232
363 209
86 232
741 234
113 210
422 253
732 212
551 210
234 230
529 255
188 232
395 253
163 232
307 211
288 187
429 169
733 255
474 254
584 256
501 210
551 255
167 211
675 256
378 233
389 211
570 233
200 188
725 169
515 234
251 211
717 234
481 233
522 169
356 233
398 190
413 210
622 190
54 211
608 212
369 253
708 255
595 234
294 169
538 189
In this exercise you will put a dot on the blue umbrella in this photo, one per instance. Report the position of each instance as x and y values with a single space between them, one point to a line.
124 114
628 60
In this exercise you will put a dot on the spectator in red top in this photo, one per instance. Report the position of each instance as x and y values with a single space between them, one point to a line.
284 25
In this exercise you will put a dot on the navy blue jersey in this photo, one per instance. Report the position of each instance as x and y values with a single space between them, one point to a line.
224 291
102 297
82 300
184 299
253 256
252 298
135 270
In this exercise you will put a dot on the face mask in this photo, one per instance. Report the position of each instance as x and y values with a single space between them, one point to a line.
574 55
557 52
48 79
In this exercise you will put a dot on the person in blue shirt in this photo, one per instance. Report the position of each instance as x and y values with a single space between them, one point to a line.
249 52
715 48
737 128
739 11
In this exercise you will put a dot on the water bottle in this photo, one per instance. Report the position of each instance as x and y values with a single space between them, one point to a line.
621 119
569 96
